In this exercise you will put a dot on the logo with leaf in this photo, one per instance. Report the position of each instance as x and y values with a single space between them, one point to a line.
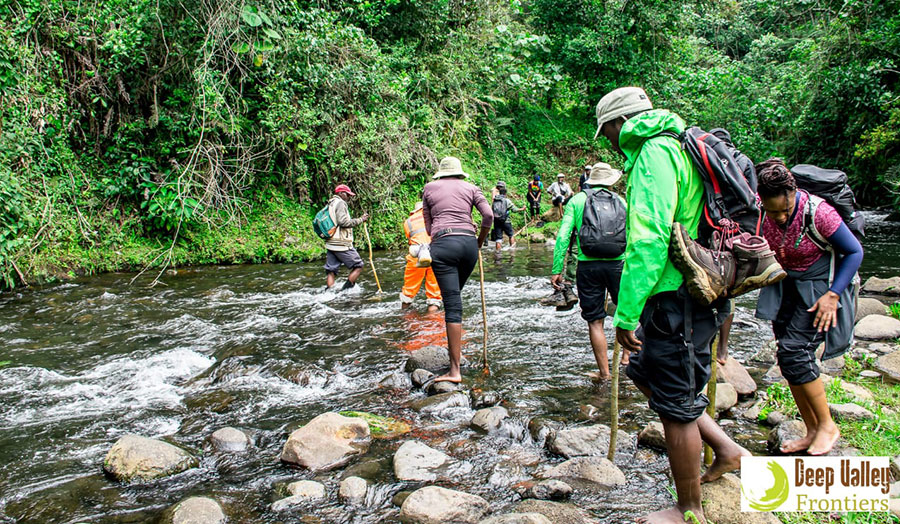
775 496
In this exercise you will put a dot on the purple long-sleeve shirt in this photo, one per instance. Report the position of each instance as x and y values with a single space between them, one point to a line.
448 203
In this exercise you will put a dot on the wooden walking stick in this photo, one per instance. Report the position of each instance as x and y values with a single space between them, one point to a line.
372 262
484 356
711 393
614 400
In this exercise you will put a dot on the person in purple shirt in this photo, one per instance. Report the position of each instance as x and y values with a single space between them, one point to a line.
804 307
447 205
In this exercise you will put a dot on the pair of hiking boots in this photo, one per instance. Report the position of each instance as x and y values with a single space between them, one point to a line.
745 263
564 298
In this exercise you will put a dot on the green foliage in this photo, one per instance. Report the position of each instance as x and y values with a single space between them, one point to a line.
778 398
894 310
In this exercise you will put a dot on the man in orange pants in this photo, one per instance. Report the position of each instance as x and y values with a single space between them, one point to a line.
414 227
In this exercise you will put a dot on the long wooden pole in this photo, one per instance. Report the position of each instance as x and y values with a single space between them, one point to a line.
484 355
614 398
711 393
371 261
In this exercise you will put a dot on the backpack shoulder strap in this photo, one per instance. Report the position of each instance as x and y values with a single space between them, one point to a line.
809 223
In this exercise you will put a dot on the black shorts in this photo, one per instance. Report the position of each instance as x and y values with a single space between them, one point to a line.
664 365
797 338
501 226
349 258
593 278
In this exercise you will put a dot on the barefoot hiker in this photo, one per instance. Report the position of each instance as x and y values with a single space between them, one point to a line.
670 362
803 307
339 247
448 203
599 256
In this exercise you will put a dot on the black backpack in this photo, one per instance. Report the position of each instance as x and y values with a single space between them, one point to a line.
831 186
602 233
499 208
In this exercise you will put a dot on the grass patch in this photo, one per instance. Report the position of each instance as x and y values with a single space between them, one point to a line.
841 518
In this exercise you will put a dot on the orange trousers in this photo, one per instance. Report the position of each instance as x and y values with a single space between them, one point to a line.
412 281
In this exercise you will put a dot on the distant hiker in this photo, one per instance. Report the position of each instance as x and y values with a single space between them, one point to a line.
599 232
585 174
535 191
812 305
339 248
560 192
448 203
501 207
416 271
670 360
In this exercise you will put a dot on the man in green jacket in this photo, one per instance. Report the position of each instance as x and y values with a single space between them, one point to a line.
670 359
594 277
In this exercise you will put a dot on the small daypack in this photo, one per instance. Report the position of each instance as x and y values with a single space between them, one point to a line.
323 224
602 233
831 186
499 208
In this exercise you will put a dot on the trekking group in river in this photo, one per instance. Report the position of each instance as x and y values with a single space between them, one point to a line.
699 224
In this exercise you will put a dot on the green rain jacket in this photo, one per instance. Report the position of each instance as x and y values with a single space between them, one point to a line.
572 220
663 187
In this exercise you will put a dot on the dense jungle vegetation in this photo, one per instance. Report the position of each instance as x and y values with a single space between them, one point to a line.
156 132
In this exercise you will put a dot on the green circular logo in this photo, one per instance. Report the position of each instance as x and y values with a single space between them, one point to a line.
774 496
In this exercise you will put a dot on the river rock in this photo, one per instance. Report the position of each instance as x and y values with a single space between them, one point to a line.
850 412
549 489
726 396
868 373
518 518
869 306
327 441
556 512
783 432
766 353
774 418
833 366
400 497
735 374
396 380
538 238
752 413
439 403
722 503
773 374
307 490
195 510
489 419
653 435
889 366
878 327
133 457
484 399
230 439
432 358
541 428
591 440
598 470
420 377
882 286
418 462
353 490
436 505
436 388
857 391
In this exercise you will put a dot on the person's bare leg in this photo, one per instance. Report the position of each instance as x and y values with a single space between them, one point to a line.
329 279
827 432
354 274
724 332
810 419
727 452
454 348
684 446
598 344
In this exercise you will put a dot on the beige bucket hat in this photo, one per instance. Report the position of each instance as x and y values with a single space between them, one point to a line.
620 102
450 166
603 175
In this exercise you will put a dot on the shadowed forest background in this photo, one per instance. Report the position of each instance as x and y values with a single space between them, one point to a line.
161 132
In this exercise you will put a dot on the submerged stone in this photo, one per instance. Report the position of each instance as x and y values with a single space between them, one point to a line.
133 457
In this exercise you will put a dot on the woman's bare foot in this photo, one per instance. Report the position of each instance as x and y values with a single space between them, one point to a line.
798 445
723 463
456 379
824 440
669 516
722 360
596 376
626 355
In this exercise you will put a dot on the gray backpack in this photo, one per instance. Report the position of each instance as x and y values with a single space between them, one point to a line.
602 233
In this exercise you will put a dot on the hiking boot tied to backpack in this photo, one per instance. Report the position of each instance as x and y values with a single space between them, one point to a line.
741 263
563 297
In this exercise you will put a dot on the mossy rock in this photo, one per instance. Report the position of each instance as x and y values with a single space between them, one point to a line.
381 427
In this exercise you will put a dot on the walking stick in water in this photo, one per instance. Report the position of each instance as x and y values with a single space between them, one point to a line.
614 400
484 357
711 393
372 262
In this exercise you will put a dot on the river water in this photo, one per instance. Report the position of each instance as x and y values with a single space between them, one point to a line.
265 348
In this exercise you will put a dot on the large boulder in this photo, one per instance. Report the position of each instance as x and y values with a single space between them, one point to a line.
436 505
722 503
489 419
556 512
430 358
418 462
438 403
869 306
882 286
878 327
195 510
889 366
136 458
327 441
598 470
230 439
584 441
735 374
518 518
